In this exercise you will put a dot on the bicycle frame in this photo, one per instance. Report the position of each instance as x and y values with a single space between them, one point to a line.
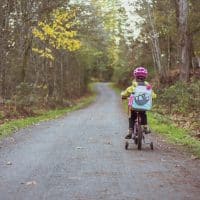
137 135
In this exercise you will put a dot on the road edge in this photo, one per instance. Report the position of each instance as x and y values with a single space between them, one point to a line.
9 128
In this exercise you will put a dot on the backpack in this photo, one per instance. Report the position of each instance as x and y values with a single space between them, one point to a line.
142 99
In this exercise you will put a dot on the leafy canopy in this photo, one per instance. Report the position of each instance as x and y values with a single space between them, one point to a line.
57 34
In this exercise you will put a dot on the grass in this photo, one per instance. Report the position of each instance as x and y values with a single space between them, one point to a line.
162 125
9 128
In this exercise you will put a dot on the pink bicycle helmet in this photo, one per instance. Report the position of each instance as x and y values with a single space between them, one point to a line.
140 72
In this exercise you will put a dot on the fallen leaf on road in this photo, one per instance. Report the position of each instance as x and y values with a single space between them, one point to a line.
161 185
29 183
194 157
12 139
9 163
79 147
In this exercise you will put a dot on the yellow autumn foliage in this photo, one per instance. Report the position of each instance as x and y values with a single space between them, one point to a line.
47 53
59 33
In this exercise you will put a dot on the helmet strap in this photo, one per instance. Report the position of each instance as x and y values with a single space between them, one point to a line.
140 79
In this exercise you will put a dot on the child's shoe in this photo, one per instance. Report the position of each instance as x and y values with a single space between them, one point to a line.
146 129
129 135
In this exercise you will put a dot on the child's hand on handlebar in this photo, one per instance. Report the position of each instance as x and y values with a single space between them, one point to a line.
123 97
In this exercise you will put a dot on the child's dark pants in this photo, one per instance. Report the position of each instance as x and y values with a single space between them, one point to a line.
134 117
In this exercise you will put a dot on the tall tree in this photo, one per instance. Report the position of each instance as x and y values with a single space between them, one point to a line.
156 52
182 15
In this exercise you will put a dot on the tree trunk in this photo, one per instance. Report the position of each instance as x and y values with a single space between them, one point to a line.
191 51
169 50
26 59
155 46
61 80
184 39
50 79
26 36
3 83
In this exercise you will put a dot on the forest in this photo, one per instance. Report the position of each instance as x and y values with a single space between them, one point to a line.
51 50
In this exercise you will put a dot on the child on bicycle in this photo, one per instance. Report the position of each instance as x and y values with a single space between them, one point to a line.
140 75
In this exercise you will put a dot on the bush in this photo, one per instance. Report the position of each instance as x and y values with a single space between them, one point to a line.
2 115
23 97
181 97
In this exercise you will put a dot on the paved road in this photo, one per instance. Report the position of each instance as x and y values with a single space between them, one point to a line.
81 157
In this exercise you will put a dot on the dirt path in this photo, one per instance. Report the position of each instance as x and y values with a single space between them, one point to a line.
82 157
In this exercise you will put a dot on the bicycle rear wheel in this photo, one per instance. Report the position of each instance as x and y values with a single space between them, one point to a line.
139 137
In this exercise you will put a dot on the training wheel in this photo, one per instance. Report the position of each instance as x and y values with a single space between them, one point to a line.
126 145
151 145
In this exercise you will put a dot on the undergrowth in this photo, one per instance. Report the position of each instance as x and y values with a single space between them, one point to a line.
9 127
181 102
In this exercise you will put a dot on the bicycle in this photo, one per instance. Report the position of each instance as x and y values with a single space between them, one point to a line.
138 134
